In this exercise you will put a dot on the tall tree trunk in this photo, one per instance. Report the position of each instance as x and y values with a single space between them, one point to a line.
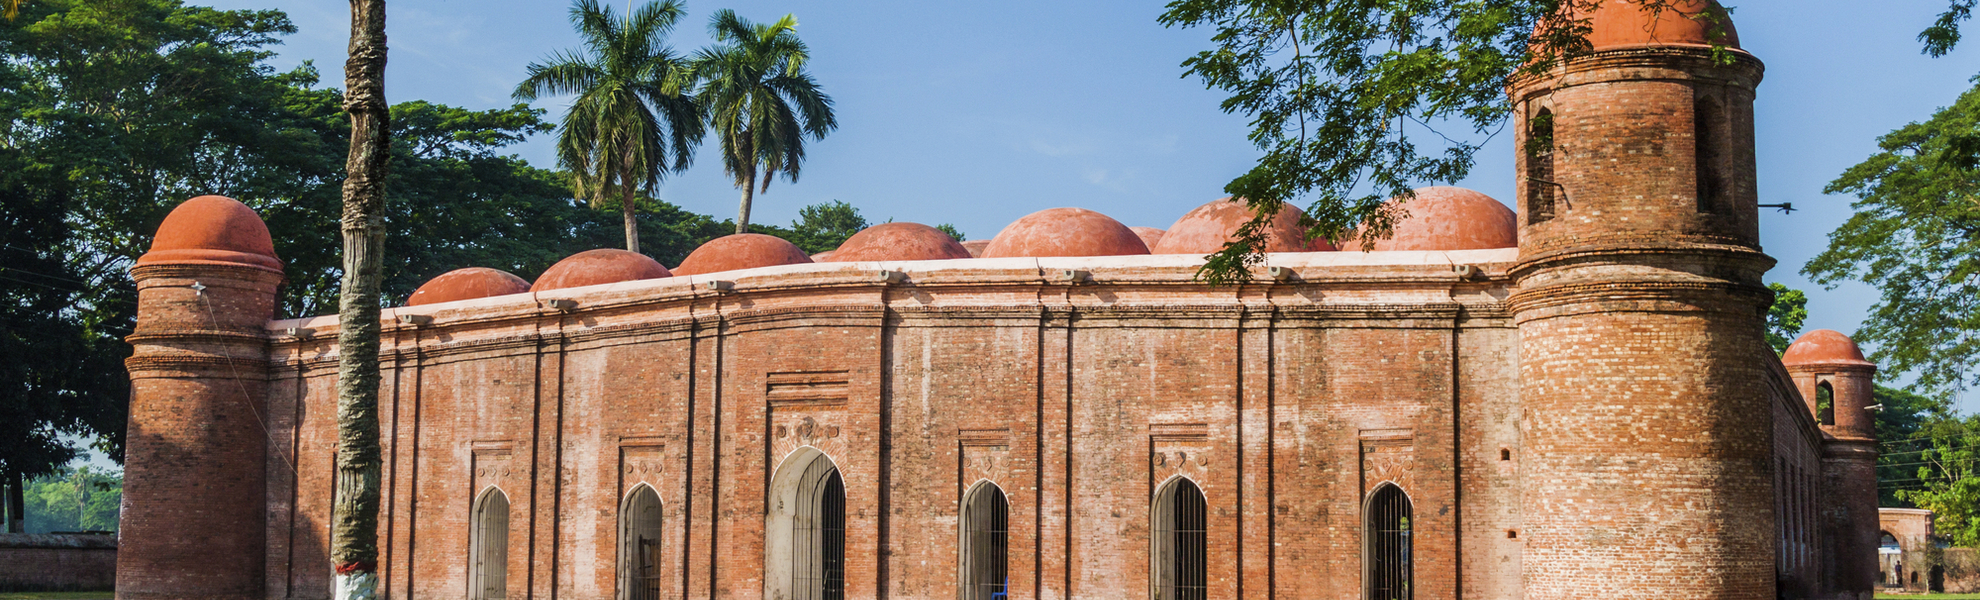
742 215
16 501
632 220
354 521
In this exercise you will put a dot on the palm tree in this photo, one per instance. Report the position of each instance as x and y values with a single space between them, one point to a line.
632 104
354 502
752 81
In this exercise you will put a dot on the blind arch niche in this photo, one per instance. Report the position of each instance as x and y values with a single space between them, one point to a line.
805 530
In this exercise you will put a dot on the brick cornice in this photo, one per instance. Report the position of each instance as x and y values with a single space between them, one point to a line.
1635 296
1641 63
207 270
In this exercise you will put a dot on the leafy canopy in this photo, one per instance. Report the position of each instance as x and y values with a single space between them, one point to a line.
1785 317
761 102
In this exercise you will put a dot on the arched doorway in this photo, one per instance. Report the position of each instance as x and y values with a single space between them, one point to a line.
488 547
805 534
985 560
1389 549
1178 558
640 527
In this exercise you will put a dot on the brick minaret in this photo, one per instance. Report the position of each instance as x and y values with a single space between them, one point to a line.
1640 309
195 481
1828 361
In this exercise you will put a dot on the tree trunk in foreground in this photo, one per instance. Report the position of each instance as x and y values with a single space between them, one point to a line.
749 193
354 520
632 220
15 499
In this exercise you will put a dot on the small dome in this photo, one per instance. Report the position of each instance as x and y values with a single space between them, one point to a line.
1149 235
1625 23
898 241
1823 347
598 267
1210 226
822 256
1065 232
975 247
467 284
213 229
1451 218
741 251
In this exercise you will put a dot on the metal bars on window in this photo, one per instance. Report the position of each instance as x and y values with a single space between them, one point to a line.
639 545
488 548
1181 546
1389 547
1540 182
818 534
986 544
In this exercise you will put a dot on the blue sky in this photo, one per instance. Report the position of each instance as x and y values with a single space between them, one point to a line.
978 113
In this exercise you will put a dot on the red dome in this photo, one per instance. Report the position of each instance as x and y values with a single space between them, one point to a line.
598 267
741 251
975 247
822 256
1149 235
1823 347
1624 23
467 284
213 229
1065 232
1451 218
898 241
1210 226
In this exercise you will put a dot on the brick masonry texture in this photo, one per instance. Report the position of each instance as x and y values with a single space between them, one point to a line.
44 562
1591 415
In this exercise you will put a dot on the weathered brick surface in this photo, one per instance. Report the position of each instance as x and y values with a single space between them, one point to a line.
33 563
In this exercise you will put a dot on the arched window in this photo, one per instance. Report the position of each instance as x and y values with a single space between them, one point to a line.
1180 546
1388 544
639 545
1540 183
1706 142
1825 403
985 543
488 547
806 532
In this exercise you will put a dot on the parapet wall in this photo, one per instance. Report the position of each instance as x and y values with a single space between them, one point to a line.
57 562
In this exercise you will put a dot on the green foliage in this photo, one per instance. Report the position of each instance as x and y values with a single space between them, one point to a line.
80 499
1904 426
823 227
1916 238
759 99
1947 481
1785 317
1940 38
951 230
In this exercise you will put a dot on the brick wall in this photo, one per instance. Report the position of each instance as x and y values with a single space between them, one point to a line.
39 562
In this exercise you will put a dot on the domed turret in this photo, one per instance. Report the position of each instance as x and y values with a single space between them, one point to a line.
467 284
1627 23
975 247
1149 235
1823 347
1065 232
898 241
741 251
1451 218
214 229
598 267
1207 228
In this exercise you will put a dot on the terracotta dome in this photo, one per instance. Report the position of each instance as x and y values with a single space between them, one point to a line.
1210 226
1823 347
741 251
1451 218
1065 232
213 229
1625 23
598 267
1149 235
975 247
467 284
898 241
822 256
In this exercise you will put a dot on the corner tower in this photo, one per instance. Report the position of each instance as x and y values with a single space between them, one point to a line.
1641 315
1839 386
195 484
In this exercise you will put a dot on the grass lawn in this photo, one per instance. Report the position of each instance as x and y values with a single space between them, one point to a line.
1879 596
57 595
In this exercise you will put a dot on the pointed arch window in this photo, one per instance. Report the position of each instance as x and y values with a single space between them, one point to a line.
1540 183
640 527
985 543
1389 547
806 532
1706 143
488 547
1181 545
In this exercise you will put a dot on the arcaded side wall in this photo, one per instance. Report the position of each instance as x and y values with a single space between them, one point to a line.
1799 549
1285 402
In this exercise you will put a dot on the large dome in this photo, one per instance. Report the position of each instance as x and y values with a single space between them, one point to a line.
1451 218
898 241
1207 228
1626 23
1065 232
741 251
1823 347
598 267
467 284
213 229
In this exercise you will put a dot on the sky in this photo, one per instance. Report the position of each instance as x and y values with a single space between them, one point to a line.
978 113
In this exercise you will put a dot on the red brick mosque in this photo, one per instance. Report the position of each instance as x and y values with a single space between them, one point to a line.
1570 401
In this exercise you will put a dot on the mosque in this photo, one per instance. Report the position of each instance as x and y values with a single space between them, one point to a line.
1571 399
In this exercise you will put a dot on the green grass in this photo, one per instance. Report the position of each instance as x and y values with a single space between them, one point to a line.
57 595
1879 597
